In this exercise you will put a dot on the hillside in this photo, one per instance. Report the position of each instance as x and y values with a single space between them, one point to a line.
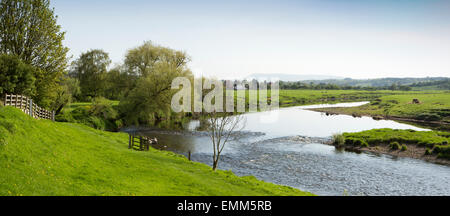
384 82
40 157
291 77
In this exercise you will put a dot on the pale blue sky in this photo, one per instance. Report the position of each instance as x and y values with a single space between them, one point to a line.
358 39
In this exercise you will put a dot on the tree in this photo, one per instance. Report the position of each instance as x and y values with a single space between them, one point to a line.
91 70
15 76
150 100
118 83
154 67
28 29
69 90
142 60
222 128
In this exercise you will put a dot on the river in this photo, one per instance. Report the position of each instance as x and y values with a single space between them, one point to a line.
284 147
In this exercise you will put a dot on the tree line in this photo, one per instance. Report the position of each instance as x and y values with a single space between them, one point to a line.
332 86
34 62
142 83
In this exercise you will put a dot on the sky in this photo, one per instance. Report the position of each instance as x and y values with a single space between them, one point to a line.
232 39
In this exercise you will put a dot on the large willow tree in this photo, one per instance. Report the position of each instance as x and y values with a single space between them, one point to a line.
28 30
154 67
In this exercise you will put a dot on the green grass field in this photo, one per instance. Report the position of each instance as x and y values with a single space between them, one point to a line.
433 106
301 97
40 157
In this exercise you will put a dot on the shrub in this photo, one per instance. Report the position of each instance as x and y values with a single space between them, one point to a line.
427 151
348 141
101 115
444 152
404 147
338 140
16 76
364 144
429 117
96 122
437 149
103 108
65 117
394 145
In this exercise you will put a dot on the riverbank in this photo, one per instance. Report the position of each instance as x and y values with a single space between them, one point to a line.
431 146
436 125
431 110
412 152
41 157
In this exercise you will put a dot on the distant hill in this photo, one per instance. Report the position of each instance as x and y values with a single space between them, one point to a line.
291 77
293 81
380 82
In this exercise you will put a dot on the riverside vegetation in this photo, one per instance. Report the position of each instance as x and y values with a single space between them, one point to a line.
433 106
430 145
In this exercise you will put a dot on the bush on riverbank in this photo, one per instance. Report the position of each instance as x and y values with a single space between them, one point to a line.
338 140
394 145
100 114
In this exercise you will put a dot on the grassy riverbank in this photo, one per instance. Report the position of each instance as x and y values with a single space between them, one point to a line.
300 97
40 157
306 97
428 145
433 107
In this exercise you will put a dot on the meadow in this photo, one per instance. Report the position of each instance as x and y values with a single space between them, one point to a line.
300 97
306 97
432 106
41 157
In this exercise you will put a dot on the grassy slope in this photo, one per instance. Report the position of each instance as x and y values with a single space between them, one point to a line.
40 157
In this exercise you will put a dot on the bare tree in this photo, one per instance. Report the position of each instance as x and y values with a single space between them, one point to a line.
223 127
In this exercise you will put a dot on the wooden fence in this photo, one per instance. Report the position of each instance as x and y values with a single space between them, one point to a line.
27 106
141 143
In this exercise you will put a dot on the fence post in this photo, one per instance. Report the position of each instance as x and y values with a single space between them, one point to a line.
129 141
21 99
53 115
31 107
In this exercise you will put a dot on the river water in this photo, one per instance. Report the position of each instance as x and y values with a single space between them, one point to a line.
284 147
